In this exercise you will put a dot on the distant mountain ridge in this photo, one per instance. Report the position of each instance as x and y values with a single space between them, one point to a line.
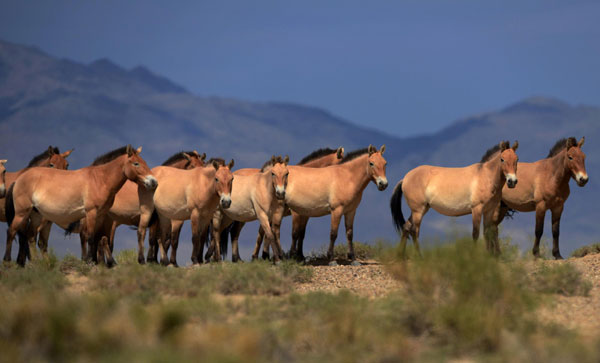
101 106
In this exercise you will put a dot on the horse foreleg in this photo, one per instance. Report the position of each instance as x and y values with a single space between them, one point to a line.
556 214
490 231
196 237
18 222
175 230
476 214
416 219
153 238
263 219
336 216
540 214
236 229
349 223
165 229
259 241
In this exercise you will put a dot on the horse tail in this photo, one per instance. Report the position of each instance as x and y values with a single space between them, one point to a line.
72 228
396 207
225 239
510 213
9 206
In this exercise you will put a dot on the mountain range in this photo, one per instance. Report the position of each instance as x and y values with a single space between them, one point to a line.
100 106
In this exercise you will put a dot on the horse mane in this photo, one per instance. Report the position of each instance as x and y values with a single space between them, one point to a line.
271 162
45 155
219 161
177 157
317 154
354 154
492 151
110 156
560 145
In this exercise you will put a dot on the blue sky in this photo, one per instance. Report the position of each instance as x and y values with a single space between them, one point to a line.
405 67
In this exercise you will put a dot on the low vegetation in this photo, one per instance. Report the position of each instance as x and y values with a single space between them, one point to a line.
586 250
455 302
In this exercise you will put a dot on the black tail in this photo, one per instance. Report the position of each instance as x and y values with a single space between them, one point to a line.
396 207
72 227
225 240
9 205
510 213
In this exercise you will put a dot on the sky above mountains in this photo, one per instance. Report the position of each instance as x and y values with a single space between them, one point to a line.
405 67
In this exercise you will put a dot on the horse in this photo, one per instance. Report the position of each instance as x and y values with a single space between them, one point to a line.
544 185
65 197
126 206
317 159
190 194
335 190
2 178
475 190
50 158
254 196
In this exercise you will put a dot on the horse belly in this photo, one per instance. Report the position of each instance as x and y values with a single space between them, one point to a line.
241 210
455 203
59 210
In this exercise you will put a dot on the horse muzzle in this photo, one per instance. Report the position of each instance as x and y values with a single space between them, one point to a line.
381 183
2 191
225 202
280 193
581 179
511 180
150 182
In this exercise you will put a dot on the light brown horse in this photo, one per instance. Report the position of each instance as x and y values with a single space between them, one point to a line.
335 190
475 190
50 158
190 194
2 178
254 196
126 207
317 159
64 197
544 185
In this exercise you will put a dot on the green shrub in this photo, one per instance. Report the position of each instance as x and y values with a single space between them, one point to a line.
560 278
586 250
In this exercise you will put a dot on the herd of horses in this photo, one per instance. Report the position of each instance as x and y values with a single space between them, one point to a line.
119 188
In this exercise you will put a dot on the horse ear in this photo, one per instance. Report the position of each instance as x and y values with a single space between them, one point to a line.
515 145
187 157
580 143
230 165
51 149
129 150
382 149
67 153
3 161
138 150
340 152
571 141
215 165
286 160
371 149
203 156
504 145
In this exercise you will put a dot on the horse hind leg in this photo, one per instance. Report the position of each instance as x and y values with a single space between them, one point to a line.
415 229
540 214
556 214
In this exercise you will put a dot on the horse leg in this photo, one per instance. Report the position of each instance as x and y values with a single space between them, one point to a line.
476 214
540 213
90 231
111 237
18 221
165 229
298 230
417 218
266 245
259 241
153 238
490 231
196 237
263 218
107 252
141 236
175 230
556 214
44 235
236 229
336 216
32 230
349 222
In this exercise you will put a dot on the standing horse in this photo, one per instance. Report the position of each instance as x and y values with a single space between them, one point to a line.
64 197
254 196
2 178
190 194
544 185
475 190
335 190
317 159
126 207
50 158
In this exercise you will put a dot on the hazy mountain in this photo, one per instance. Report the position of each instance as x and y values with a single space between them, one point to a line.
100 106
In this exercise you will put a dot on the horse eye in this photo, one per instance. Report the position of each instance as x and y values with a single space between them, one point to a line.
371 164
272 174
51 165
136 164
501 160
570 158
217 180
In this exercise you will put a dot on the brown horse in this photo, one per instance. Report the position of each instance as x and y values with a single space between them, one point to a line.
2 178
64 197
544 185
190 194
335 190
50 158
475 190
254 196
317 159
126 207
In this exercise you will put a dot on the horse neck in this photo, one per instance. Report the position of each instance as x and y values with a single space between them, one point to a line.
322 161
209 173
559 171
358 168
111 174
179 164
494 169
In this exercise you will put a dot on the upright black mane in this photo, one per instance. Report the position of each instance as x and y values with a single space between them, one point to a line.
354 154
317 154
560 145
110 156
177 157
492 151
219 161
271 162
45 155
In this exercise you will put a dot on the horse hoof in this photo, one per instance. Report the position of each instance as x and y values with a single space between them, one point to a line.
141 260
356 263
558 257
333 263
111 263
